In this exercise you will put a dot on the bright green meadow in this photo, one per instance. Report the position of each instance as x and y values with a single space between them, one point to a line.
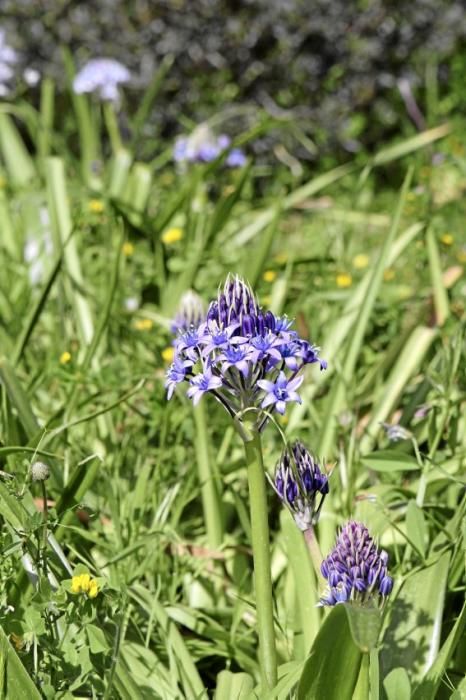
128 572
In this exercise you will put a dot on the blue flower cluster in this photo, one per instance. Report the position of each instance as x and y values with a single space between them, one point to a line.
355 569
8 59
245 357
204 147
300 484
102 75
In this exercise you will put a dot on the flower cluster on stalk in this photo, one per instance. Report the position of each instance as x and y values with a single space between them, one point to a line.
244 356
202 146
102 75
355 569
300 484
8 59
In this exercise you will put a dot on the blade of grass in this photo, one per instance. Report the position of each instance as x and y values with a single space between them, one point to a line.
62 228
442 309
409 361
35 312
336 399
19 164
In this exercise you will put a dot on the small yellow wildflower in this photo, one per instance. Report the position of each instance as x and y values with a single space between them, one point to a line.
127 249
344 280
80 584
360 261
93 589
172 235
143 324
411 196
168 354
96 206
2 182
447 239
65 357
389 274
269 275
84 584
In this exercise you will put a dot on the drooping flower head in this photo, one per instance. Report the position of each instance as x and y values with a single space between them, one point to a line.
190 313
241 354
356 570
300 484
101 75
203 146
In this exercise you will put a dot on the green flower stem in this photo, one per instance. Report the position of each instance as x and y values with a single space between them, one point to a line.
261 555
209 488
111 123
315 553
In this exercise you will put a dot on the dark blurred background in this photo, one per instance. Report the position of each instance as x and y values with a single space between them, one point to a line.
352 72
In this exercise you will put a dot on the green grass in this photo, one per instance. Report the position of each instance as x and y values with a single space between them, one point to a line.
132 475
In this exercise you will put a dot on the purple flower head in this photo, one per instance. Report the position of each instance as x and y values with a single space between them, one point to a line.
102 75
176 373
203 146
300 484
190 313
355 569
280 392
201 383
246 356
8 59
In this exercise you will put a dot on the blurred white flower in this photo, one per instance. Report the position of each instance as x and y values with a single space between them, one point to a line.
31 76
38 249
102 75
131 304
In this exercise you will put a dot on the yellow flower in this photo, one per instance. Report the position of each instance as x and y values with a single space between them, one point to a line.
411 196
447 239
172 235
389 274
65 357
81 583
93 589
2 182
269 275
168 354
96 206
344 280
360 261
143 324
127 249
84 584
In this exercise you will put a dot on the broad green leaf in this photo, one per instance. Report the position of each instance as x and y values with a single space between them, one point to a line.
332 669
412 636
15 682
390 461
233 686
97 640
397 685
416 527
430 684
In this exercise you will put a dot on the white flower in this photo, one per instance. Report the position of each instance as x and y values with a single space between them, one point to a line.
102 75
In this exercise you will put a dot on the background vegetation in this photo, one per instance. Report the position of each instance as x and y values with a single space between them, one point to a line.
368 256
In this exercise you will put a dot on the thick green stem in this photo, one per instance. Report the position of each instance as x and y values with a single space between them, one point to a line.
261 555
209 488
315 553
